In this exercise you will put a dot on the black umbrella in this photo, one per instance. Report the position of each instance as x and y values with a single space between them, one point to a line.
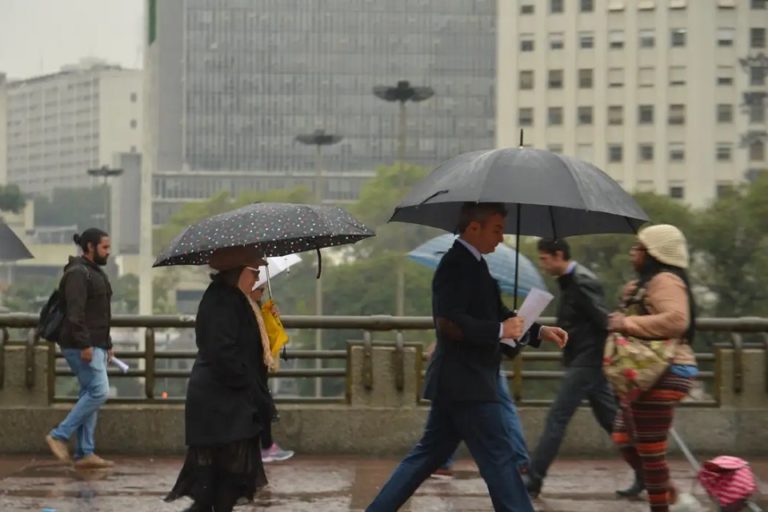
11 247
547 194
275 229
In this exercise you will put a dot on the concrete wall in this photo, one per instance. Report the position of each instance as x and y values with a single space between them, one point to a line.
380 419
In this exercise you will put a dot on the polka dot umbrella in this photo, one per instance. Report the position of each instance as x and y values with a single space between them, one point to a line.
274 229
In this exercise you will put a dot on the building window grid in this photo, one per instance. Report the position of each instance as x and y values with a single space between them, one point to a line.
725 36
676 152
678 37
555 79
724 113
645 152
645 114
757 38
586 40
615 153
723 152
615 115
585 78
584 115
647 38
555 116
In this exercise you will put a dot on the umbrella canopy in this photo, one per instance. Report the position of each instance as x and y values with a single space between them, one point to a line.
11 247
274 229
547 194
501 263
275 265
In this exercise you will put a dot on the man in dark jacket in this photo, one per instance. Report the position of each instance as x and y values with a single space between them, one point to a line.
462 378
86 345
583 314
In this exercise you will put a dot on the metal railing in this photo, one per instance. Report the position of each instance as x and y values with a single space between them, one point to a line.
519 373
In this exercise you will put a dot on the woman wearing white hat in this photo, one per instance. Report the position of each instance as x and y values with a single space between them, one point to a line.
662 295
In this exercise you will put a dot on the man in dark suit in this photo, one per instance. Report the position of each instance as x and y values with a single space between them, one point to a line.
461 381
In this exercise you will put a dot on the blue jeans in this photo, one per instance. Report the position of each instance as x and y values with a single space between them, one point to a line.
579 383
482 426
512 420
94 389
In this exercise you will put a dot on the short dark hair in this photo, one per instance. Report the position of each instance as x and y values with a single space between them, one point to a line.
229 277
478 212
89 236
551 246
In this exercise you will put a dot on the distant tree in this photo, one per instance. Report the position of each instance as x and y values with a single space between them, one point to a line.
11 198
71 206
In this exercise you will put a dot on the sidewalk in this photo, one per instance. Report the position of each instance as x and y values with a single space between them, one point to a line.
311 484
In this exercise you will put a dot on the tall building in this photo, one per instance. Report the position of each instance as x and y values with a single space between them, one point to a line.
58 126
664 95
231 83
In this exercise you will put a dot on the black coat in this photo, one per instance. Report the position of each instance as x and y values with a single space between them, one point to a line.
87 295
227 395
467 310
583 314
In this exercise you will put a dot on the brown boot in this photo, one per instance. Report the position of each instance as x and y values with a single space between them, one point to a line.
58 448
93 461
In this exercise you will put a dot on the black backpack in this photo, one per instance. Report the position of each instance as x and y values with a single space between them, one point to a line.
53 313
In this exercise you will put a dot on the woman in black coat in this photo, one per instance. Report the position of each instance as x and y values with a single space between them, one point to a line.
228 407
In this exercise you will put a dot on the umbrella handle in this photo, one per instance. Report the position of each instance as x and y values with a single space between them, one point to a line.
319 263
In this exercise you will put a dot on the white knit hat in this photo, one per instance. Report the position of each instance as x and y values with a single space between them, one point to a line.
666 243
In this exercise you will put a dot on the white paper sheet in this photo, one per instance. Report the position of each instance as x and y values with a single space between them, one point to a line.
533 306
120 364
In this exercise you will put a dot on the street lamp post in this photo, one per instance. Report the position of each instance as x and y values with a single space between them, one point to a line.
106 172
402 93
319 139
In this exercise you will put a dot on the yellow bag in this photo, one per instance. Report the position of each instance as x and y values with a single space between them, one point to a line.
275 330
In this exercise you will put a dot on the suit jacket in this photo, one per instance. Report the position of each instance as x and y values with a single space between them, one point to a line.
467 310
583 314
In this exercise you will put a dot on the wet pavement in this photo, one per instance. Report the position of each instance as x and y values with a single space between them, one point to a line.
313 483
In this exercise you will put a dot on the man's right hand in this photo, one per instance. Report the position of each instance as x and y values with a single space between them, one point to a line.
86 354
512 327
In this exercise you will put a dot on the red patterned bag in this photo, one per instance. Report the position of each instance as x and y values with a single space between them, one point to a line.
729 480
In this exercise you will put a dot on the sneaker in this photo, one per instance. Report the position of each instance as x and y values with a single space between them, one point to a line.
93 461
58 448
442 473
276 454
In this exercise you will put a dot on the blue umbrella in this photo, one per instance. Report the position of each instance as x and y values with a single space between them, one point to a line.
501 263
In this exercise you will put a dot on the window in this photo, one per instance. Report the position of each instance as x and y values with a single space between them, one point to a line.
526 79
555 6
646 77
615 77
724 75
585 79
615 5
615 153
757 38
526 42
759 4
725 37
724 189
676 75
586 40
584 115
525 117
556 41
555 80
757 112
587 5
757 75
133 123
645 114
757 151
724 113
677 114
615 115
726 4
677 4
676 152
555 148
616 39
677 192
677 37
526 6
723 152
555 116
646 5
645 152
647 38
133 97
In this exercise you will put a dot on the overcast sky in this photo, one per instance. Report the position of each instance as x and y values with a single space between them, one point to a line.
40 36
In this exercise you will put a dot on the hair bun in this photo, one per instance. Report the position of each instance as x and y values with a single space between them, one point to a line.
76 238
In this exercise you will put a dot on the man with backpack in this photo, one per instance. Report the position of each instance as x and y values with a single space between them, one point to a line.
84 295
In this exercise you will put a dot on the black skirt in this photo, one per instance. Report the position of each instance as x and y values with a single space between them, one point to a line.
218 476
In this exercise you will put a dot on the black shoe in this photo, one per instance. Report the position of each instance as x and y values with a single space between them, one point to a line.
533 485
634 490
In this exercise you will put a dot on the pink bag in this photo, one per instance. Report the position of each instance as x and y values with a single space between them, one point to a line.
729 480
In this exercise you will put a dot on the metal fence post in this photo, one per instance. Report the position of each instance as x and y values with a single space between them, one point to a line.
738 362
149 362
399 360
3 341
368 360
